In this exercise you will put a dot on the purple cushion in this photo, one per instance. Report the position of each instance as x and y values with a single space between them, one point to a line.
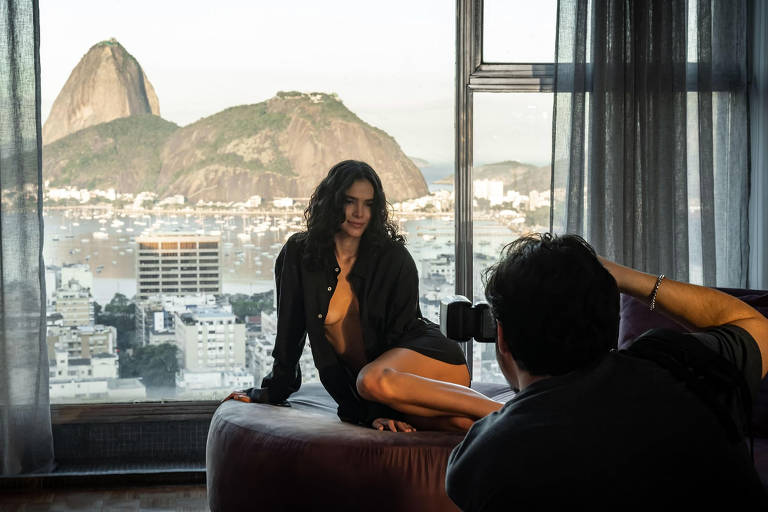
636 319
264 457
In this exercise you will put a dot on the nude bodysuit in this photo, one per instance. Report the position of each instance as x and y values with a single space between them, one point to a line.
342 324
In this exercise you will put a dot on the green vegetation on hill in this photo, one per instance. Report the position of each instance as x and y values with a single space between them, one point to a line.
517 176
241 121
319 107
234 123
94 157
229 156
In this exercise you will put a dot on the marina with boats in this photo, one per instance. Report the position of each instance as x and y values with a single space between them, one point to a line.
105 238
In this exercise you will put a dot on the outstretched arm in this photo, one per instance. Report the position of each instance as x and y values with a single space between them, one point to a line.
697 307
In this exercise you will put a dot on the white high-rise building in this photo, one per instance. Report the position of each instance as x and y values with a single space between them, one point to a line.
83 341
493 190
51 283
79 272
154 316
210 339
75 305
177 264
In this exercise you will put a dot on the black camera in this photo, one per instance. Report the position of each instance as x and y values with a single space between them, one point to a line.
461 320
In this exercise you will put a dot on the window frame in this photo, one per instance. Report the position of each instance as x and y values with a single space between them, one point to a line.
475 75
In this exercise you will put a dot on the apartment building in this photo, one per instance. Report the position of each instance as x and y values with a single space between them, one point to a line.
177 264
75 305
210 338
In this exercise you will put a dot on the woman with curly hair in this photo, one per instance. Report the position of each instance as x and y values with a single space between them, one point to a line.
349 283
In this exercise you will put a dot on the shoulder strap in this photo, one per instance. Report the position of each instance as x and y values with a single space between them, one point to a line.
711 377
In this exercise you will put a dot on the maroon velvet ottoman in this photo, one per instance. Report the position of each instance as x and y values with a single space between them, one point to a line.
302 457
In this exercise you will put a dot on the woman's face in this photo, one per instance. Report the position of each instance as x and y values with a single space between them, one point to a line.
358 202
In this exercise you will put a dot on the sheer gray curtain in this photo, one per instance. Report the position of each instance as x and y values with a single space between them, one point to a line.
758 127
25 422
650 134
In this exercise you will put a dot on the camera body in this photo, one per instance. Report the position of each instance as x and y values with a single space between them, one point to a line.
461 320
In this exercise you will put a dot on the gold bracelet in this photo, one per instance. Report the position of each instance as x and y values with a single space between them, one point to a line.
655 291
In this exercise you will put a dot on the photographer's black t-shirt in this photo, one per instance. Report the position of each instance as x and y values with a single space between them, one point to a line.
624 433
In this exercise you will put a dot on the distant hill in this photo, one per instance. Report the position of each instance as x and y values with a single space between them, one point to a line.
104 131
123 154
517 176
419 162
107 83
281 147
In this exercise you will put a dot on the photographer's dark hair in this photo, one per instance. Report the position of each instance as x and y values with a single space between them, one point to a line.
557 304
325 212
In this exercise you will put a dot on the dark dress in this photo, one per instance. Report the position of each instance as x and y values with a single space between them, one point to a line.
385 282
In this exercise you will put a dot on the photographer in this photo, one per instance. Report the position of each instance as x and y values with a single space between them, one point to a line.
660 425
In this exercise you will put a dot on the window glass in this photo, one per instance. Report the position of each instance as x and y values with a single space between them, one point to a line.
511 180
161 225
519 30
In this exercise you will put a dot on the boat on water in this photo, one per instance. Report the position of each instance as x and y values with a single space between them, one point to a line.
100 235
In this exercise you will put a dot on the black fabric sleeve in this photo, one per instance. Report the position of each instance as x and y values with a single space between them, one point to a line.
739 347
472 475
731 342
403 303
285 377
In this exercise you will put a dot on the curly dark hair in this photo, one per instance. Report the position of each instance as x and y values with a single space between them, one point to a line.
557 304
325 212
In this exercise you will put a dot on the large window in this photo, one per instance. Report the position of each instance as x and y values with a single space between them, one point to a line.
177 165
181 142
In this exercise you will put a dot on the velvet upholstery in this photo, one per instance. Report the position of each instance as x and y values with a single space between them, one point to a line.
303 457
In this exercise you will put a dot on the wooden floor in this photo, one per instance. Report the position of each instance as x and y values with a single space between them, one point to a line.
129 499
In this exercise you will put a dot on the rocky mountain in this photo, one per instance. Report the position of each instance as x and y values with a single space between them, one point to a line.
108 83
281 147
517 176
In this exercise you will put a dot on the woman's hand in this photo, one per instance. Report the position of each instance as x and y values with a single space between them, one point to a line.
240 396
392 425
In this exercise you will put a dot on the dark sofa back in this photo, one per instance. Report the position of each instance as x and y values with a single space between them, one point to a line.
636 318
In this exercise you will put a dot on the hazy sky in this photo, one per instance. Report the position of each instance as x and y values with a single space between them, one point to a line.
394 71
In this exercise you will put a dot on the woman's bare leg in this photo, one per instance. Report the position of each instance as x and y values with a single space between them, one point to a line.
417 385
